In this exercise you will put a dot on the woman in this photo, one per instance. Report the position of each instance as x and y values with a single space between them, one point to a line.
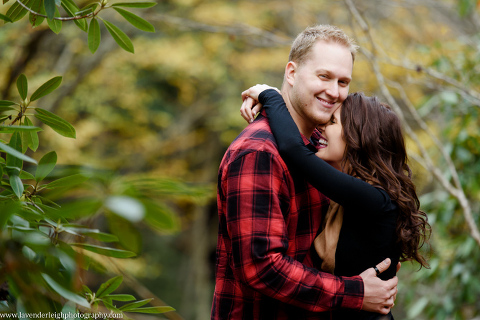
361 165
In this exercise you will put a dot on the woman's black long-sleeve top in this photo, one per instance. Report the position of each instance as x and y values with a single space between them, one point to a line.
368 232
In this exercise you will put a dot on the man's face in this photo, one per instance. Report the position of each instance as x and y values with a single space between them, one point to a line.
319 85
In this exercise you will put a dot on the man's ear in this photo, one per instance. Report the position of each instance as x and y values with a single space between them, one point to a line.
290 70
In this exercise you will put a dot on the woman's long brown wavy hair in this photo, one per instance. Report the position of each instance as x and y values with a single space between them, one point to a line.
375 150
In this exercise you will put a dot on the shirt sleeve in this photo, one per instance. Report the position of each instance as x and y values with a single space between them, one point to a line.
257 199
342 188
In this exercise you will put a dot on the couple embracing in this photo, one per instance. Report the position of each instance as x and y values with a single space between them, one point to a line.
315 199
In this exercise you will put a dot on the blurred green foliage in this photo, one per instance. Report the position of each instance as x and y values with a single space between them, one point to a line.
42 251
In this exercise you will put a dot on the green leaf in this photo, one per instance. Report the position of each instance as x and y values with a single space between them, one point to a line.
67 182
6 103
71 8
22 86
109 252
6 109
46 165
32 136
46 88
17 185
23 229
120 297
82 24
13 170
15 153
35 20
136 21
65 293
56 123
25 138
16 144
81 208
160 217
5 18
7 209
50 202
93 233
25 175
119 36
94 35
16 11
162 309
86 289
109 286
89 8
13 129
50 8
128 235
134 305
139 4
110 306
26 134
102 236
55 24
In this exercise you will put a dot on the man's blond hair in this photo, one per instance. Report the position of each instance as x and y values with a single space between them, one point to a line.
307 38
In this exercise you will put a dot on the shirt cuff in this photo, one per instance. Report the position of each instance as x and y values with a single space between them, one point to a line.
353 293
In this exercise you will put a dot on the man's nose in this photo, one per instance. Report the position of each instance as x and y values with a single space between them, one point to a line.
332 89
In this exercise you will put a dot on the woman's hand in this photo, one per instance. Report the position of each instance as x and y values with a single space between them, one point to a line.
249 109
251 106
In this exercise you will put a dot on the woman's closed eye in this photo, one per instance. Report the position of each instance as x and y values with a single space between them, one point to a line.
332 120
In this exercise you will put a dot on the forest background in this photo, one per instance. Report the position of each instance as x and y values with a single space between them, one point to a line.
151 128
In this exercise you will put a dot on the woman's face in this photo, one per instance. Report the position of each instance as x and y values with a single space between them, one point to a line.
332 146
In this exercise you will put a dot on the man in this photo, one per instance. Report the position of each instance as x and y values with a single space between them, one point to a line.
269 215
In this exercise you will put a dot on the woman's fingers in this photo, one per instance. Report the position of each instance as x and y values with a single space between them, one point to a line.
245 94
257 109
246 109
251 106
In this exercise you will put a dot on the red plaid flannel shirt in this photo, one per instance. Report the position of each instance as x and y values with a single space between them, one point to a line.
268 219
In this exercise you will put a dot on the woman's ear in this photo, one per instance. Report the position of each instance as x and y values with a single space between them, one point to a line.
290 70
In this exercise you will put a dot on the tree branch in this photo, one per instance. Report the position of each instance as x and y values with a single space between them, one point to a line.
90 15
439 76
268 38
